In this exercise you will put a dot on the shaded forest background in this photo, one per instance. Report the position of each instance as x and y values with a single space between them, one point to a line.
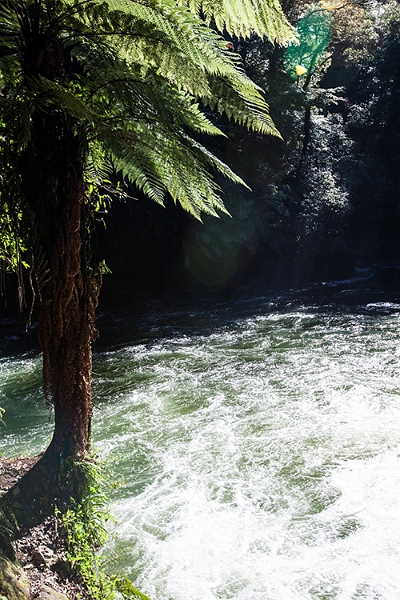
325 199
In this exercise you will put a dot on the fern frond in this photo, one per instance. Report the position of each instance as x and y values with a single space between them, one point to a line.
236 96
239 17
244 17
50 93
245 106
157 161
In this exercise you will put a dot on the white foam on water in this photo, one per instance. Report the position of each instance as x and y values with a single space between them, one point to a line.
261 460
274 458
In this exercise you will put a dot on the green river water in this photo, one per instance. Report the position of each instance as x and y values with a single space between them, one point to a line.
257 441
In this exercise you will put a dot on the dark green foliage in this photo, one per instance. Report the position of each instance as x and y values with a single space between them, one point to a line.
338 168
326 197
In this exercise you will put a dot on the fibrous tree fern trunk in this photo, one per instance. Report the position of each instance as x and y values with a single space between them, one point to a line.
54 190
52 168
52 180
51 171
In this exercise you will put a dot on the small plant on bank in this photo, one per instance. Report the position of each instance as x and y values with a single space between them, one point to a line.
84 524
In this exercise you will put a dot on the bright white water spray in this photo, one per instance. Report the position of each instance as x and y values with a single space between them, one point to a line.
261 456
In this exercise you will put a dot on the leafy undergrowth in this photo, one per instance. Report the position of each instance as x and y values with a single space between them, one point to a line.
84 526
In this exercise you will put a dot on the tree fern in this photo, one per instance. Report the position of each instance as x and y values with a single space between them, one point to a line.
137 71
88 87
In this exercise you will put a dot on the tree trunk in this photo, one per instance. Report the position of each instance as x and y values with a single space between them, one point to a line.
68 291
52 178
65 328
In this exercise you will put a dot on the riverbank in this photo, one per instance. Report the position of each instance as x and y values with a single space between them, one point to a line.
41 553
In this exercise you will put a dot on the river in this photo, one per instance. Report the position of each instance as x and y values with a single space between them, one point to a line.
256 442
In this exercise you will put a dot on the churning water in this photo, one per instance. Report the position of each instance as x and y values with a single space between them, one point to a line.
258 444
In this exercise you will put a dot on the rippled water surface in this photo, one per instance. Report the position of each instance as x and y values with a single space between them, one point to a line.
259 448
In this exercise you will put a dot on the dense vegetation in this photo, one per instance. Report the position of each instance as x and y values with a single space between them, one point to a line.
324 199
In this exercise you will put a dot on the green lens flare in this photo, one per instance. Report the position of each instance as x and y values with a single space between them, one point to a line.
314 32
